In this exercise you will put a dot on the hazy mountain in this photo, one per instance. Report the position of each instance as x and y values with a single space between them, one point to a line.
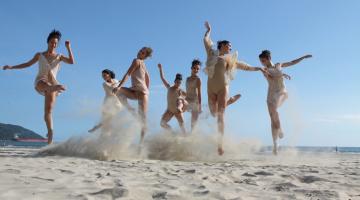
8 132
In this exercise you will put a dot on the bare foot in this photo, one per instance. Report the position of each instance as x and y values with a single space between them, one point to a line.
94 128
275 149
233 99
281 134
50 137
56 88
220 151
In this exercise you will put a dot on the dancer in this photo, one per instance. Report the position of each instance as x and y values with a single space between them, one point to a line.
193 92
220 68
111 104
176 103
46 83
139 90
277 93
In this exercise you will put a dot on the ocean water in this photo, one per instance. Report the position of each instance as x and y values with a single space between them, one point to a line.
15 144
11 143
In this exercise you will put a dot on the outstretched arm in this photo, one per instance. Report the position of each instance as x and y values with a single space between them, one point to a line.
135 64
70 59
246 67
296 61
166 84
207 40
24 65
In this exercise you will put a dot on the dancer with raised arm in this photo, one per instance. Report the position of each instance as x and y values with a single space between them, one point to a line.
139 89
277 93
220 68
176 103
111 105
193 92
46 83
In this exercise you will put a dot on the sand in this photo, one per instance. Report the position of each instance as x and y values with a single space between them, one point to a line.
26 175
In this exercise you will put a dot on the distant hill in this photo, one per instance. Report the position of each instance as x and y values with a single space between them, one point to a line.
8 132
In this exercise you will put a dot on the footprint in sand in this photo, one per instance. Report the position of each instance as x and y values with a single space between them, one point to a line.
263 173
66 171
159 195
11 171
115 192
248 174
282 187
310 179
318 194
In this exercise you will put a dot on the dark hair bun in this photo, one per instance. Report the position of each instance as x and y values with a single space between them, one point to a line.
54 34
195 62
221 43
265 54
178 77
108 71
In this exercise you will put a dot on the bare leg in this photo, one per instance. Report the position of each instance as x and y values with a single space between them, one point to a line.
127 93
165 119
233 99
180 119
143 107
50 98
275 125
194 118
222 97
213 106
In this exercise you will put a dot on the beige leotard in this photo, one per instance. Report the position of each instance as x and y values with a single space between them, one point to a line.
138 78
47 71
191 89
277 93
173 95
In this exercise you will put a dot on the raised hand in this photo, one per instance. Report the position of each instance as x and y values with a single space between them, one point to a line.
160 66
207 26
67 44
307 56
287 76
6 67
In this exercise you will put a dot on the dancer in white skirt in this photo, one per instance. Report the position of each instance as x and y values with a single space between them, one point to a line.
111 105
277 93
46 83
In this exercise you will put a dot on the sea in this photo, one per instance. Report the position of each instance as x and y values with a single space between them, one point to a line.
317 149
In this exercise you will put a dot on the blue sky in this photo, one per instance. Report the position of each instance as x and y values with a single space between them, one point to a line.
323 108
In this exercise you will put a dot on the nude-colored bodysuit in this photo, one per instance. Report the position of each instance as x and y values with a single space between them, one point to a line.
192 96
277 93
173 96
47 71
220 69
138 79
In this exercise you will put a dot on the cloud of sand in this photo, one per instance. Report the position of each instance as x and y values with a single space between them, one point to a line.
119 141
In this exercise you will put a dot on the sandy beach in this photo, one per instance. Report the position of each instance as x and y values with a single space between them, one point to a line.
256 176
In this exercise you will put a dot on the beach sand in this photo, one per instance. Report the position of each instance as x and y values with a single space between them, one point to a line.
254 176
